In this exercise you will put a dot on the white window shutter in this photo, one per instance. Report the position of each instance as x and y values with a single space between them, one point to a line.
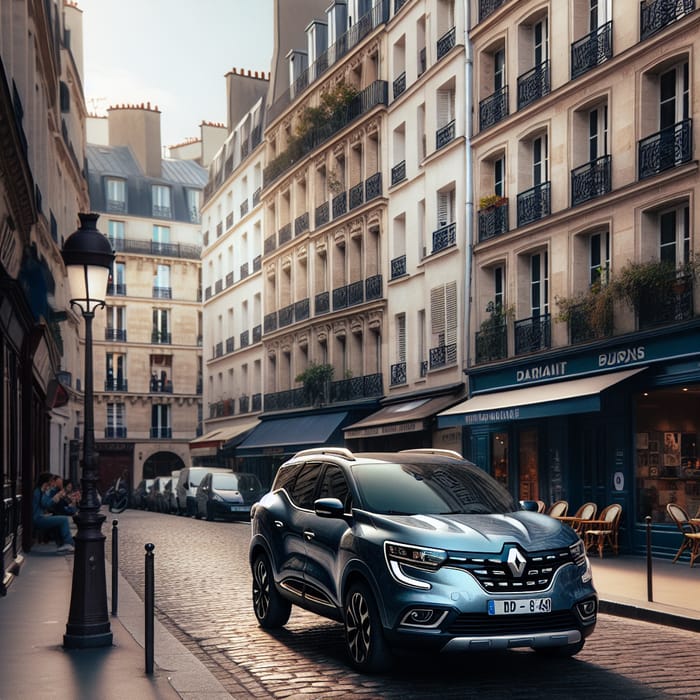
401 337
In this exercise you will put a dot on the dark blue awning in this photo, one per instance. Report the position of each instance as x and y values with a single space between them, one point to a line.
289 435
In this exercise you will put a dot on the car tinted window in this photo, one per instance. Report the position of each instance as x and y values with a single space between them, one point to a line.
302 491
430 488
334 485
248 482
285 476
225 481
196 477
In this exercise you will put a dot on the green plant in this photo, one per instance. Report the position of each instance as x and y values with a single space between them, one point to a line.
332 107
636 281
492 200
592 308
314 378
498 316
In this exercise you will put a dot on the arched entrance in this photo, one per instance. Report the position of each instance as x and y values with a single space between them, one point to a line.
161 464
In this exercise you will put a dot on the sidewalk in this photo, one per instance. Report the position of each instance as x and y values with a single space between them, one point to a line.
33 616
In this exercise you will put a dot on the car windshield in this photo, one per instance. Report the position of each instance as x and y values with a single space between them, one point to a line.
235 482
409 489
196 477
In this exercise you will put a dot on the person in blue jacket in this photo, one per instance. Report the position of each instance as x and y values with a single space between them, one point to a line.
48 491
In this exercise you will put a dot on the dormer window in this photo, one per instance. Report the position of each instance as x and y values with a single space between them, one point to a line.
161 202
115 195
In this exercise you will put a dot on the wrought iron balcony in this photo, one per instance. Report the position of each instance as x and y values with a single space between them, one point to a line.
443 356
533 204
373 287
493 222
257 333
398 373
158 386
270 243
244 207
302 310
229 345
322 215
491 344
256 403
301 224
322 304
655 15
670 303
533 334
423 369
398 267
361 387
116 290
243 273
398 173
228 281
218 286
244 339
486 7
590 180
533 85
161 338
115 334
592 50
162 212
356 293
422 62
665 149
256 196
270 322
257 263
286 316
398 4
229 220
218 349
284 234
373 187
340 204
446 43
161 433
282 400
219 229
587 322
162 293
444 135
493 108
445 237
243 404
115 432
116 385
357 195
399 84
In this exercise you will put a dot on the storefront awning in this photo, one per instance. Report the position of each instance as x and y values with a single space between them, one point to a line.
555 398
404 417
209 444
288 435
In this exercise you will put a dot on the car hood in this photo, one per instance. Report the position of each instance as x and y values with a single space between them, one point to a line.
230 495
484 533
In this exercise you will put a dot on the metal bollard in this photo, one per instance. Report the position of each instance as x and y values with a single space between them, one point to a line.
115 567
650 596
150 607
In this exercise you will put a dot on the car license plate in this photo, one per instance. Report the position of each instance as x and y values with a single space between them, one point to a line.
238 508
520 606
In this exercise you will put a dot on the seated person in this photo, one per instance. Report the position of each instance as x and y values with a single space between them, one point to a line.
65 500
43 519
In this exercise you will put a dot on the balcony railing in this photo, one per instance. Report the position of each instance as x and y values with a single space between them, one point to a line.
257 333
159 386
172 250
256 403
357 195
115 432
218 286
301 224
116 290
665 149
256 196
118 334
588 323
654 16
322 303
285 234
491 344
243 404
533 334
116 385
270 243
444 135
244 207
443 356
590 180
533 204
373 287
257 263
399 84
270 322
493 108
162 292
301 310
161 338
373 187
243 273
219 349
398 173
285 316
161 433
244 339
229 220
659 306
398 267
533 85
446 43
486 7
354 388
445 237
493 222
592 50
340 204
229 345
322 215
398 374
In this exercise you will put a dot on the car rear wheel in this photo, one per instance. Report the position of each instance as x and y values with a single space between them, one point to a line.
271 609
563 652
364 638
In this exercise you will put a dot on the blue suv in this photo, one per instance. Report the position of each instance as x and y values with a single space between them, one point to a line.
418 549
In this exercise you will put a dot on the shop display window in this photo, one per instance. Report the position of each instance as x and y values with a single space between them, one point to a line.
667 464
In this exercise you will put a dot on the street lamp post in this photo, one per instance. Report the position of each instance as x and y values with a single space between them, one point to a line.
88 257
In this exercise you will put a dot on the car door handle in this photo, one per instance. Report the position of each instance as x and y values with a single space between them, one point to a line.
309 535
279 523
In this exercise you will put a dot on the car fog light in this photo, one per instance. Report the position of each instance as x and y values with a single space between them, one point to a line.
587 609
426 618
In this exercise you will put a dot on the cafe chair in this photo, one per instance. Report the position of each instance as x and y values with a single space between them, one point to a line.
604 530
558 509
541 506
584 514
691 537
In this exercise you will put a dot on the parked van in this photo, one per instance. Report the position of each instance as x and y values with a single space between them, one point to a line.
171 493
187 483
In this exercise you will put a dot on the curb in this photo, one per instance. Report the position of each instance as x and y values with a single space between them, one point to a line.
642 614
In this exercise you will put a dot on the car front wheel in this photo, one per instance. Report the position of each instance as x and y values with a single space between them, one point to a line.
364 638
271 609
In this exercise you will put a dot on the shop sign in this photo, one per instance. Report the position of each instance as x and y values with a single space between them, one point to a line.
388 429
495 416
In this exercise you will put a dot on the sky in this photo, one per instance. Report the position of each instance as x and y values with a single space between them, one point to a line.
173 54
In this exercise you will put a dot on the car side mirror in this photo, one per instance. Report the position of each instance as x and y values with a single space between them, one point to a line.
329 508
529 505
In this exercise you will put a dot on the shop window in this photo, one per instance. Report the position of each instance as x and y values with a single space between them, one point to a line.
528 472
499 457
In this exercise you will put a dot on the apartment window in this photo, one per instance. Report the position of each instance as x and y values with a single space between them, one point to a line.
593 24
115 372
445 115
116 420
499 292
534 44
160 195
160 421
540 160
115 195
161 326
192 198
443 323
115 323
398 261
117 280
115 233
446 234
398 369
399 52
161 282
674 236
539 284
534 203
494 106
420 123
598 257
398 171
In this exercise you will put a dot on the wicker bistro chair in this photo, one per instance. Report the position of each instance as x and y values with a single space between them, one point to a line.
584 515
691 537
604 531
558 509
541 506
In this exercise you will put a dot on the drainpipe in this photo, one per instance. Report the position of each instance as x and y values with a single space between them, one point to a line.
469 182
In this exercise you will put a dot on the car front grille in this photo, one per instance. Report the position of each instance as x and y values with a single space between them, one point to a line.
476 624
496 576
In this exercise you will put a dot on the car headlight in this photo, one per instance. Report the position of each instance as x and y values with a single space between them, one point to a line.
401 556
216 497
580 558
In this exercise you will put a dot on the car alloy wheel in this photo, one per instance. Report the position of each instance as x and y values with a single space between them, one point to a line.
364 638
271 609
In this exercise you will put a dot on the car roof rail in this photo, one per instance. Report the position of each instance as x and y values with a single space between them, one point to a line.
433 451
337 451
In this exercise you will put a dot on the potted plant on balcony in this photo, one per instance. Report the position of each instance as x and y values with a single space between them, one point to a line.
315 378
497 318
491 201
636 281
593 308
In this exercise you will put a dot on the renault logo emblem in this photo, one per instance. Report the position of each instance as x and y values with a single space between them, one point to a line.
516 562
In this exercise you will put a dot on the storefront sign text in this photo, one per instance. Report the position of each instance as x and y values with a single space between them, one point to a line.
501 414
621 357
531 374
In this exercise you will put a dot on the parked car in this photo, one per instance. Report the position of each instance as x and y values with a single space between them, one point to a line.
418 548
140 494
170 493
227 495
187 484
155 501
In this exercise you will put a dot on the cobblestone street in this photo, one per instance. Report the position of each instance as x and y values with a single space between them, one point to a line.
203 596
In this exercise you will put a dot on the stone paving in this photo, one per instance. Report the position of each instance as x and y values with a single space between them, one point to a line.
203 596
